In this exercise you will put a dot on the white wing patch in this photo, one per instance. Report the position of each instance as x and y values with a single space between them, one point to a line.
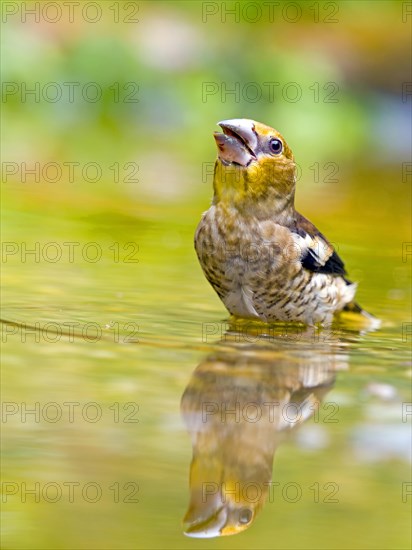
320 250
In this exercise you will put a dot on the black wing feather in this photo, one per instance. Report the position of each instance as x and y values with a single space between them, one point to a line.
310 260
333 266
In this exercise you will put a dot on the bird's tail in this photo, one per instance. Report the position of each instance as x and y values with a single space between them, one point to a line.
353 307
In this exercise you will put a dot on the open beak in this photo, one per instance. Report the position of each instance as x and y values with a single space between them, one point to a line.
238 142
208 527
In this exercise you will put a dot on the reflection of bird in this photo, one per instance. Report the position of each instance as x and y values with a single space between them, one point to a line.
236 406
261 256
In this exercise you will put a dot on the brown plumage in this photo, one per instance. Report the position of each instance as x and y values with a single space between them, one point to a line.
261 256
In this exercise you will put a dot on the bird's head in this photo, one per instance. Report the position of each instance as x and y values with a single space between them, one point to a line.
255 166
223 515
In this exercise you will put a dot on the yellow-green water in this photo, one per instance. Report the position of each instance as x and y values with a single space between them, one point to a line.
110 332
116 346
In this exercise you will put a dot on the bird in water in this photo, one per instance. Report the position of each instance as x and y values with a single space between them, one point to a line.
262 257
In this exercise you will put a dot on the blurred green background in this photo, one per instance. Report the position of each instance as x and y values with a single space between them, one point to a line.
108 110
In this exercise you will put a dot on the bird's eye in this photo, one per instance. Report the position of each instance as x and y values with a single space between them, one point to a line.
245 515
276 146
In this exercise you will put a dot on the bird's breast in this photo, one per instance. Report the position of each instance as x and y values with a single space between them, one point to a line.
239 256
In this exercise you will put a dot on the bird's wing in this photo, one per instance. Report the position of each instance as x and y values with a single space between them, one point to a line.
317 253
319 256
